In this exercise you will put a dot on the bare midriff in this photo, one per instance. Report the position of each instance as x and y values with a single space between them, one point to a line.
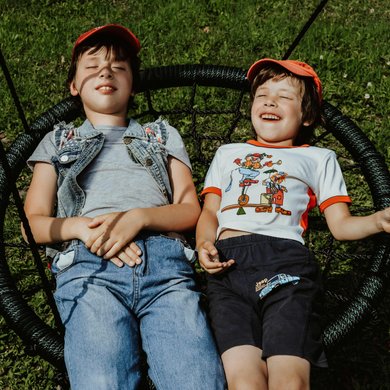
228 233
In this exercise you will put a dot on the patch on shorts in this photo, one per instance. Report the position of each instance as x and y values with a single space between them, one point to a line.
265 286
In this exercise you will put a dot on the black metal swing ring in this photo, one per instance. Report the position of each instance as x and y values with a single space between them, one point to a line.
48 343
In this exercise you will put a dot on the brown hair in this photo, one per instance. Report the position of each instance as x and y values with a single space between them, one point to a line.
311 106
119 48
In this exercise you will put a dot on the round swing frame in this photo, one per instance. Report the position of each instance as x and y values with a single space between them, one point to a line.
48 342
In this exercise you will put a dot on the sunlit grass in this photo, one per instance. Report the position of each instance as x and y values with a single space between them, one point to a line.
348 45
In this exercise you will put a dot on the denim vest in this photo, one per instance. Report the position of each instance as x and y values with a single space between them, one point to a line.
77 147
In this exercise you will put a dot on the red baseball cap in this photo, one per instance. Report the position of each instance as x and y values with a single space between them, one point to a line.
113 29
296 67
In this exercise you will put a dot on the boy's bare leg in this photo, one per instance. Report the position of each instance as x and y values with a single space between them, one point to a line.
288 372
244 368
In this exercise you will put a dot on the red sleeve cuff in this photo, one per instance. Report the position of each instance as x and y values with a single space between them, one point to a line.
213 190
333 200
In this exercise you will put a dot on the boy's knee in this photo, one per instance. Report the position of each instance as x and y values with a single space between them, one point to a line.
244 368
242 382
289 382
288 373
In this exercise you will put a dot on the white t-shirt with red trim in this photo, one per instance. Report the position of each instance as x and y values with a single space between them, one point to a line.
270 190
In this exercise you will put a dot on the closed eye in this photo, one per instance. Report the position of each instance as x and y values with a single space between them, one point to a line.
121 65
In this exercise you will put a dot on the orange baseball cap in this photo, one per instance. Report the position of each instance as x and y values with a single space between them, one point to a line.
296 67
113 29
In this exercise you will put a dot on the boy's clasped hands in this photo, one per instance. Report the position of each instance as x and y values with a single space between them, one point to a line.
110 236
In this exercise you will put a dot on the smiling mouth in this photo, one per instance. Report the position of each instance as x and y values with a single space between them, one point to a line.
105 88
270 117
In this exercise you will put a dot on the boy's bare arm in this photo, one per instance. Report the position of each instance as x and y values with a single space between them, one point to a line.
46 229
206 231
114 230
344 226
39 208
206 228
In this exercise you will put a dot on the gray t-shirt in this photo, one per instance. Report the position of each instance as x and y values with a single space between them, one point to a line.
113 181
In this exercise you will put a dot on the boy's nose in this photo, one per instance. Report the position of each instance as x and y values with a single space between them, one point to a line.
270 103
105 72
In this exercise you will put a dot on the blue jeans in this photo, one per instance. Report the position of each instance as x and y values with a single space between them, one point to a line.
110 313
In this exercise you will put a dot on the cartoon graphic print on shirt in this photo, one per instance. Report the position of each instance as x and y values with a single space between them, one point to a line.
250 168
274 193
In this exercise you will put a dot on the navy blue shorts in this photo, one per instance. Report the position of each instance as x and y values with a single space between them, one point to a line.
269 299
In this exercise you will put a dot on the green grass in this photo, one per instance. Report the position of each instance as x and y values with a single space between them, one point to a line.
348 45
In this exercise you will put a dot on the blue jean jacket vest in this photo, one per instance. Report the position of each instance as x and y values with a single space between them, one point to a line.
77 147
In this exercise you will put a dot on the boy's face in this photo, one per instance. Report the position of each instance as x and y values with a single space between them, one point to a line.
277 112
104 85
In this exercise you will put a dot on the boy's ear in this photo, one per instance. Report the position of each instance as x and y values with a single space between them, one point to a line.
307 123
73 89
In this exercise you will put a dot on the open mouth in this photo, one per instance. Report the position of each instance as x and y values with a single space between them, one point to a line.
270 117
106 88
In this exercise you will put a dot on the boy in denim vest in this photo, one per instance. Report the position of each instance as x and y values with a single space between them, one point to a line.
264 283
107 196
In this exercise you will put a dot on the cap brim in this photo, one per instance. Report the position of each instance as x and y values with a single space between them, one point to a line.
296 69
114 29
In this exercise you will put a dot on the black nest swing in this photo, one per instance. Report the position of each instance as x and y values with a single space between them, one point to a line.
205 128
351 295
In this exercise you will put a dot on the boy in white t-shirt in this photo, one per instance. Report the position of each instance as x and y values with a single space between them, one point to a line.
264 284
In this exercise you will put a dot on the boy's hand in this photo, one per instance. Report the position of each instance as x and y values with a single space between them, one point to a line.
209 259
384 220
129 255
81 228
111 232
